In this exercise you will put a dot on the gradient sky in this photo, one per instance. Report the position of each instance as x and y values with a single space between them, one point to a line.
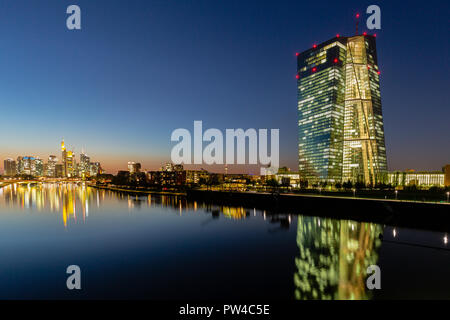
140 69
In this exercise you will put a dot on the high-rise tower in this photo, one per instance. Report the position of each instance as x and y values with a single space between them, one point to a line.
64 158
364 154
9 167
341 134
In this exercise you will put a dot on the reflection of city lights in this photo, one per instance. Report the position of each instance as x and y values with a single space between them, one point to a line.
233 212
394 233
445 239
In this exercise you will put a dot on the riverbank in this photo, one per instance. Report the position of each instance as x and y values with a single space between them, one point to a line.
401 213
409 214
4 184
137 191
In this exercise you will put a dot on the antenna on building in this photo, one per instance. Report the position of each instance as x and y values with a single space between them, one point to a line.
357 22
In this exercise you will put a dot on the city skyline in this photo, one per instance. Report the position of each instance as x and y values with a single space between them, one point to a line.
65 166
122 101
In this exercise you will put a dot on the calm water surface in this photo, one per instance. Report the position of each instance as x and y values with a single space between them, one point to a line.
165 247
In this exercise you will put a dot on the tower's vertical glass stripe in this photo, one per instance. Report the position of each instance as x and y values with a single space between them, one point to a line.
364 154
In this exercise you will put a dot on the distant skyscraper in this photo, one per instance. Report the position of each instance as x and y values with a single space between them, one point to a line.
341 134
28 165
51 166
9 167
95 168
38 168
71 166
19 165
64 158
84 169
69 162
59 170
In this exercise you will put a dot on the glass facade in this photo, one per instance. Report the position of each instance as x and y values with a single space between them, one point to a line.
364 155
425 179
321 90
341 134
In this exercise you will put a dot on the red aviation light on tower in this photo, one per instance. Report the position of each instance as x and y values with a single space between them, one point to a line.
297 77
364 33
336 60
297 54
379 72
357 22
314 45
338 35
314 69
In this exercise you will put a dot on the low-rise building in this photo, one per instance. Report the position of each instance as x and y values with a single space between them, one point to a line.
419 179
196 176
167 178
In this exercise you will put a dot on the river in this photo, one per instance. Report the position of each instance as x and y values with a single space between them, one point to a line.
165 247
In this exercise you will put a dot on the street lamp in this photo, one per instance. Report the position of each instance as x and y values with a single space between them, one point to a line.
396 194
354 192
448 195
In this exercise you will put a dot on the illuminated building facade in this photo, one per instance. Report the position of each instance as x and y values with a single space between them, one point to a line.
172 167
419 179
167 178
59 170
321 90
446 170
19 165
38 168
9 167
30 166
84 168
341 134
364 158
69 163
51 166
195 176
95 169
64 158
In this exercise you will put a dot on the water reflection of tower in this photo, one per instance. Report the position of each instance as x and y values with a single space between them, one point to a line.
334 256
